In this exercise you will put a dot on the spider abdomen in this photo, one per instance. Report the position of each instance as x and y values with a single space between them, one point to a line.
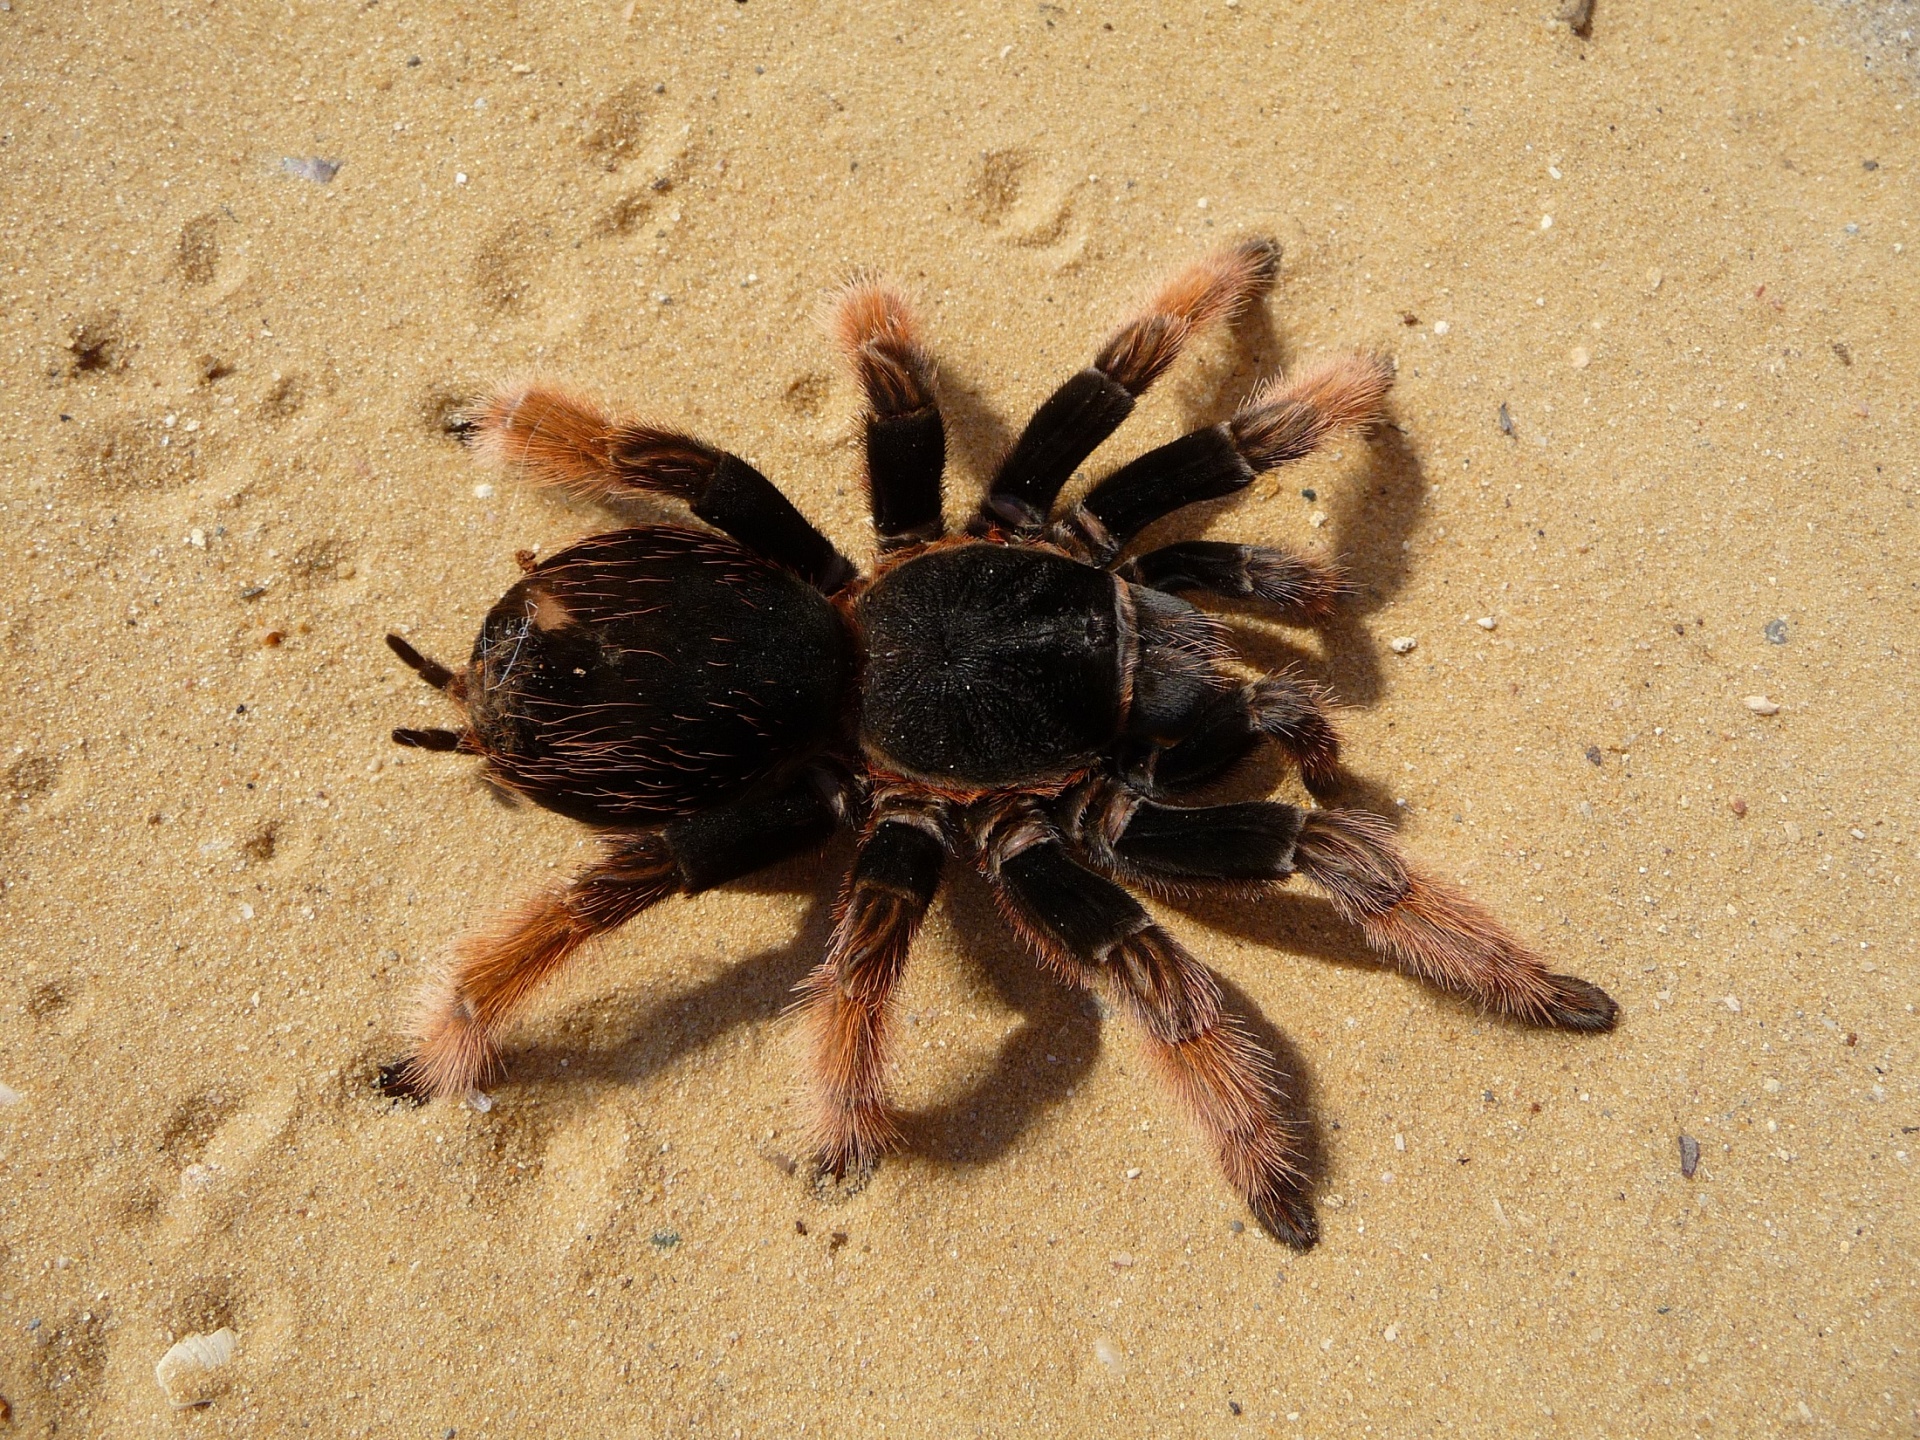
646 674
990 666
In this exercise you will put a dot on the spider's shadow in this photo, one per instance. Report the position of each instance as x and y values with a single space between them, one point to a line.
647 1037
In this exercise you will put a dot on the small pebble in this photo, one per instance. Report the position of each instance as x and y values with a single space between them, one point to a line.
1506 419
1487 622
478 1100
1579 357
1134 1173
1441 327
665 1239
1403 645
1689 1155
1761 705
8 1096
1546 222
1317 519
311 167
185 1372
1654 277
1238 1227
1776 632
1122 1261
1738 806
483 491
197 538
1108 1354
1732 1002
1594 757
1391 1333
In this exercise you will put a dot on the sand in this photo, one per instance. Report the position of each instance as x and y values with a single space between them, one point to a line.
1678 256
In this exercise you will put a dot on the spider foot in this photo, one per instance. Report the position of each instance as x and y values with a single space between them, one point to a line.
1287 1216
399 1081
1577 1005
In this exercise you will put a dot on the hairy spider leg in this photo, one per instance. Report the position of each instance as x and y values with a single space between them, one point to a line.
845 1001
1071 422
494 971
905 439
1282 421
559 439
1284 710
1432 930
1300 589
1426 929
1090 931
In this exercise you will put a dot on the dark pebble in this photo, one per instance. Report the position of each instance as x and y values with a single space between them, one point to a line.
1776 632
1234 1406
1593 754
1304 494
1869 164
1689 1155
1506 419
1238 1227
666 1239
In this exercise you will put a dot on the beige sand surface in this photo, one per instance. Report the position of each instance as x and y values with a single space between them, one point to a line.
223 384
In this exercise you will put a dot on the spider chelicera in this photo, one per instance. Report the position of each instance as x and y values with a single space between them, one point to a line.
1019 696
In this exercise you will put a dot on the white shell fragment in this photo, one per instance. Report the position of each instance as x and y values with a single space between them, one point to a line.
1761 705
185 1373
8 1096
1403 645
1487 622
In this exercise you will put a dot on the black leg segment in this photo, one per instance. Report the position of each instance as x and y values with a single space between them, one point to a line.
1298 588
906 441
1077 417
560 440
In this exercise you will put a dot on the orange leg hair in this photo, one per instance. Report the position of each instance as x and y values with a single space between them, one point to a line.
493 972
1090 931
1432 930
844 1002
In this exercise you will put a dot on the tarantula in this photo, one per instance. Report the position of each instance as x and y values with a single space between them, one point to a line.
1019 696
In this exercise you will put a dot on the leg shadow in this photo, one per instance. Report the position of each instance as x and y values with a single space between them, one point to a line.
1037 1066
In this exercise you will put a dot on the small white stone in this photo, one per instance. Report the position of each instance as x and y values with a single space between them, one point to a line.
8 1096
1487 622
184 1373
483 491
1134 1173
1579 357
1441 327
1402 645
460 177
478 1100
1732 1002
1391 1333
1317 519
1399 1141
197 538
1546 222
1761 705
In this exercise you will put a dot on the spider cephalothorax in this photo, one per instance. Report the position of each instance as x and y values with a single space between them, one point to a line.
1020 696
